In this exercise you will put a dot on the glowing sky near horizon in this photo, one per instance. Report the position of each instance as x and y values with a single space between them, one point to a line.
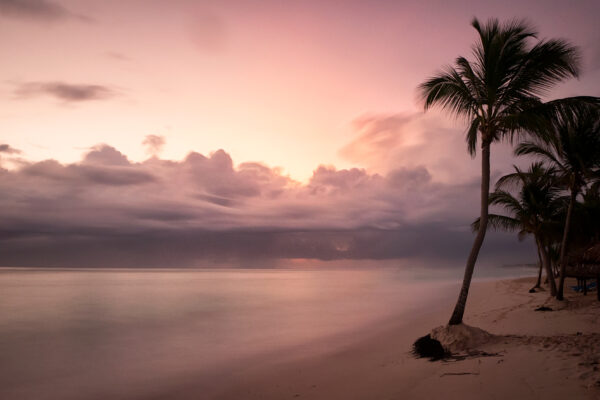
277 82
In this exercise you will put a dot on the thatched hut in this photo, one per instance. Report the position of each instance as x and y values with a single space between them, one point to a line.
585 265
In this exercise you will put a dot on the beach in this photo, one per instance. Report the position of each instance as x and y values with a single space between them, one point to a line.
556 356
277 334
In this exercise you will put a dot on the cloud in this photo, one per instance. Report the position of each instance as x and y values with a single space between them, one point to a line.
105 155
87 174
106 210
409 178
379 133
41 10
7 149
10 154
64 91
389 141
154 144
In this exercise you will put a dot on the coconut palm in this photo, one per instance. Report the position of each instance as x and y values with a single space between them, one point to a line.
534 211
496 92
573 150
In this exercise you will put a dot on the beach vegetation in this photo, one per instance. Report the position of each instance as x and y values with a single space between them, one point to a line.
498 92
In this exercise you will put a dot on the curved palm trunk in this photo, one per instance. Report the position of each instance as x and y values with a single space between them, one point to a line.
539 279
547 266
563 246
459 309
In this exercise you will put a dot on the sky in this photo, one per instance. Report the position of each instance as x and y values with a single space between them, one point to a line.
175 132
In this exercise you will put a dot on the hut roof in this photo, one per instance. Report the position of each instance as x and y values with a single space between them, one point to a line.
592 254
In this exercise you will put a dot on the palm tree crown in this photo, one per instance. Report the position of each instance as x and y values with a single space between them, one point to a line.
537 205
498 89
573 148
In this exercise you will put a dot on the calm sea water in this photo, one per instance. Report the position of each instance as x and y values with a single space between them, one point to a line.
79 334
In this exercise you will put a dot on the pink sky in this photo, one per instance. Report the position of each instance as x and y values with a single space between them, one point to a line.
281 83
167 131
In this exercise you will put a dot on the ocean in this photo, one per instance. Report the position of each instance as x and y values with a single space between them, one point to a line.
115 333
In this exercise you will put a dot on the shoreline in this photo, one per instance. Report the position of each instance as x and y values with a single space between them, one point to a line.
549 359
363 350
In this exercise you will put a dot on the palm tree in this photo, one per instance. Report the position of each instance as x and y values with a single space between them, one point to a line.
574 150
496 92
533 212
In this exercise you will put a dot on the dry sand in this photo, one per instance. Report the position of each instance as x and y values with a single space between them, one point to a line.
530 355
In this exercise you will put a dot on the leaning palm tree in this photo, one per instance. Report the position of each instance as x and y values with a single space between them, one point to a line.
534 211
574 150
496 92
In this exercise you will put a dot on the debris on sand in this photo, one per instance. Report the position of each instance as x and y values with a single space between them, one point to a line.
427 347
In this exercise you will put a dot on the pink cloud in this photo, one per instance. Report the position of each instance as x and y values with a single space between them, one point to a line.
384 142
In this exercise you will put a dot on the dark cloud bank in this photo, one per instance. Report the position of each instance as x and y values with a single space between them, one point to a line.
106 211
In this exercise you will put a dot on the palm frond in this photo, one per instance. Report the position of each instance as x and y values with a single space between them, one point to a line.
471 136
510 181
499 223
545 64
448 91
506 200
561 110
534 149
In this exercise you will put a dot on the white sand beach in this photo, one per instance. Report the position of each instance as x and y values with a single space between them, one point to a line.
546 355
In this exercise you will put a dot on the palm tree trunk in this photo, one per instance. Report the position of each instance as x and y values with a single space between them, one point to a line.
553 263
563 246
547 266
539 279
459 309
